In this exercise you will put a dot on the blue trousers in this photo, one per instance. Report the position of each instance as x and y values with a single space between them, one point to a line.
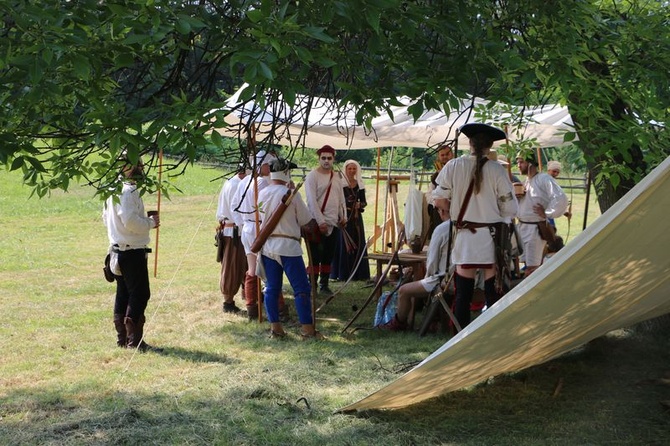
294 267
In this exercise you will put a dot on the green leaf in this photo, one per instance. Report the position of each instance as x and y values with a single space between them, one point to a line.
265 70
17 163
255 15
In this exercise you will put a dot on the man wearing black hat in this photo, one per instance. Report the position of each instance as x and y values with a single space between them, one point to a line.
325 201
477 194
543 198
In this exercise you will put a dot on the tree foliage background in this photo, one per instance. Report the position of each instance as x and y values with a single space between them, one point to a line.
84 80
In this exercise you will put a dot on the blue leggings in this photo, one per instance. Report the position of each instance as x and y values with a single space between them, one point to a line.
294 267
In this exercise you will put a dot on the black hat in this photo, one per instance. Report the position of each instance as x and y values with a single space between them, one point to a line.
281 164
475 128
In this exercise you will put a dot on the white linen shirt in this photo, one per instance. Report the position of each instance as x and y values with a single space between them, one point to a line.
127 224
544 190
494 203
294 216
224 210
244 206
316 185
436 258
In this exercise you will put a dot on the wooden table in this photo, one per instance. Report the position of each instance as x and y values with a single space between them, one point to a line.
403 259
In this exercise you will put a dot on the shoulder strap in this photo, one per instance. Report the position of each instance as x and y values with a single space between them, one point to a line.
325 200
468 194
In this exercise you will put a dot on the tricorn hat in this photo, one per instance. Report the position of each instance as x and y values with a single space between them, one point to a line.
281 164
475 128
279 169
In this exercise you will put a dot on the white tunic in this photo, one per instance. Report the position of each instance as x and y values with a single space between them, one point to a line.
544 190
127 224
436 259
316 186
244 208
224 210
285 238
494 203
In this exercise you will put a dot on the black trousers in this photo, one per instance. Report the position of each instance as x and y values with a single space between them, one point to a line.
323 253
132 288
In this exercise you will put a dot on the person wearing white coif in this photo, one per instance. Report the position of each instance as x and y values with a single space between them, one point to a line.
128 229
554 169
351 244
543 198
325 201
281 253
491 200
245 215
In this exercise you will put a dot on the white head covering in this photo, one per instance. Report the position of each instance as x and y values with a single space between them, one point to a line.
262 157
553 165
359 175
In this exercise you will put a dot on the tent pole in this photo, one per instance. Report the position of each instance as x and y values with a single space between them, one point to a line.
588 197
379 157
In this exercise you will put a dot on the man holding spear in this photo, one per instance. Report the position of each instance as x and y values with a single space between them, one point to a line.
278 242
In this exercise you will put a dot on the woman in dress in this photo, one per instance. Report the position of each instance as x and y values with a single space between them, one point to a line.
352 244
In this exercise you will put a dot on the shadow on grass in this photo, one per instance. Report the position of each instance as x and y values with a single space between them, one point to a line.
193 355
601 390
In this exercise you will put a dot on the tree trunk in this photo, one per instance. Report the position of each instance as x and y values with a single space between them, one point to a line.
596 132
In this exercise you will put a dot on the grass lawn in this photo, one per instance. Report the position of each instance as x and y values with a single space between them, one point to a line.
221 381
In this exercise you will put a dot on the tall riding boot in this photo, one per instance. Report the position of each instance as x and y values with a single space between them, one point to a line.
135 330
251 296
131 337
121 337
465 288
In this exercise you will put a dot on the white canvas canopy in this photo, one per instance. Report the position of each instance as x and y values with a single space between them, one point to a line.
614 274
326 125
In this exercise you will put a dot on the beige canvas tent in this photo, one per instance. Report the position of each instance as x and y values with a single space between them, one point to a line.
614 274
330 123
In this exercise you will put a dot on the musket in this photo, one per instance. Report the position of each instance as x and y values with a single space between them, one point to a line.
271 223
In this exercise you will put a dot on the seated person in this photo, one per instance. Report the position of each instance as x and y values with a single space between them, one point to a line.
436 265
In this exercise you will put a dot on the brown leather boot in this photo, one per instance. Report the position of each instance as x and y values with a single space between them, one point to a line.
251 296
135 333
121 339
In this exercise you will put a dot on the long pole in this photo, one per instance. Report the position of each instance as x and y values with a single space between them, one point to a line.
588 197
379 156
158 207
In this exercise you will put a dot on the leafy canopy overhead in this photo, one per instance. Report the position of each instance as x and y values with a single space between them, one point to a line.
84 80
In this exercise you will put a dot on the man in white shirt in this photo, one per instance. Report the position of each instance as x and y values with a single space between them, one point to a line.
477 194
282 253
436 269
325 201
233 258
543 198
128 229
245 216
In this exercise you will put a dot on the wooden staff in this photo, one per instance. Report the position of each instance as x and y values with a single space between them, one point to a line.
158 208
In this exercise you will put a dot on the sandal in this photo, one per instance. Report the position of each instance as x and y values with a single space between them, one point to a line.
316 335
